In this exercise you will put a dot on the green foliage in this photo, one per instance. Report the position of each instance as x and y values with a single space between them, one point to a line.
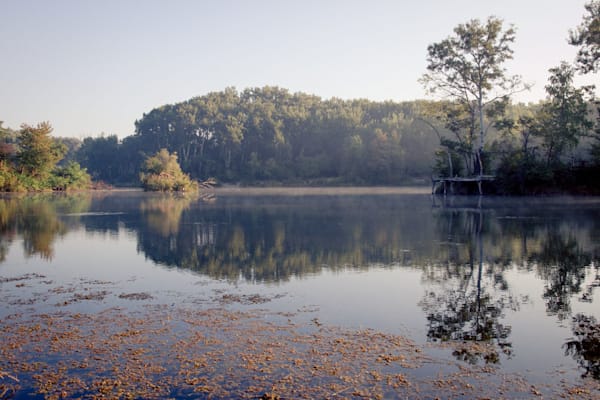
70 177
29 158
269 134
109 160
8 140
28 183
467 68
162 172
8 178
537 140
564 118
595 147
587 37
519 174
72 146
470 61
38 152
448 163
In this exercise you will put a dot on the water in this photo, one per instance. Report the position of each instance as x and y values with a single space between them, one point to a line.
511 273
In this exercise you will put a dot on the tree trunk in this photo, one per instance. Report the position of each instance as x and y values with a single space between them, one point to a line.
481 132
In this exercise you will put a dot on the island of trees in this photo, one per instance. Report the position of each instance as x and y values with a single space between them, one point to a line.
271 136
162 173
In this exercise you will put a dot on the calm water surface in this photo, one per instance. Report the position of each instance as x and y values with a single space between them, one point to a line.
519 273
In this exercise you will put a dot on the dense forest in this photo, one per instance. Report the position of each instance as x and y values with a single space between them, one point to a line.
271 136
268 135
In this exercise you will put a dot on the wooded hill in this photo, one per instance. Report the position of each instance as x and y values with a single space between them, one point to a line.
271 135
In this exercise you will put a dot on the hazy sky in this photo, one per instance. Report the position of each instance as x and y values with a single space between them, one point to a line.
96 66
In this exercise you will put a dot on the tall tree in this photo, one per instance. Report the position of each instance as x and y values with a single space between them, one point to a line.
564 118
468 68
38 151
101 156
587 37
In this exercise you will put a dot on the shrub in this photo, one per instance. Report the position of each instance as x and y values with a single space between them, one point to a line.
161 172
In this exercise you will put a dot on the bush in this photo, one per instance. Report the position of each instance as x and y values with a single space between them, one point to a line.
8 179
70 177
523 175
162 173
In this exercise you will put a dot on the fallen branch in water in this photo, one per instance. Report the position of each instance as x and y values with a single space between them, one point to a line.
7 375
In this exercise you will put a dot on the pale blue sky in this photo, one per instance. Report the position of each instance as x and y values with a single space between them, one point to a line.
96 66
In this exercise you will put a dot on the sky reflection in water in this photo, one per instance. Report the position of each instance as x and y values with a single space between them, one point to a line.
515 272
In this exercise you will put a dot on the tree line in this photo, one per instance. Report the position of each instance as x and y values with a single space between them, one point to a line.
269 135
534 148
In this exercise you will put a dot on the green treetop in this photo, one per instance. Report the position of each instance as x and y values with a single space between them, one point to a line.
587 38
468 68
38 152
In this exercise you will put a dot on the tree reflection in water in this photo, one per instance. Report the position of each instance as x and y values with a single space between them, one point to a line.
467 297
562 265
36 220
162 213
584 347
464 248
270 240
468 294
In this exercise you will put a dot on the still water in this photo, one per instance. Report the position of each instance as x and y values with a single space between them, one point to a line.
519 274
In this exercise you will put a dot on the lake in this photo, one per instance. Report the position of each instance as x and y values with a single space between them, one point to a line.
260 293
